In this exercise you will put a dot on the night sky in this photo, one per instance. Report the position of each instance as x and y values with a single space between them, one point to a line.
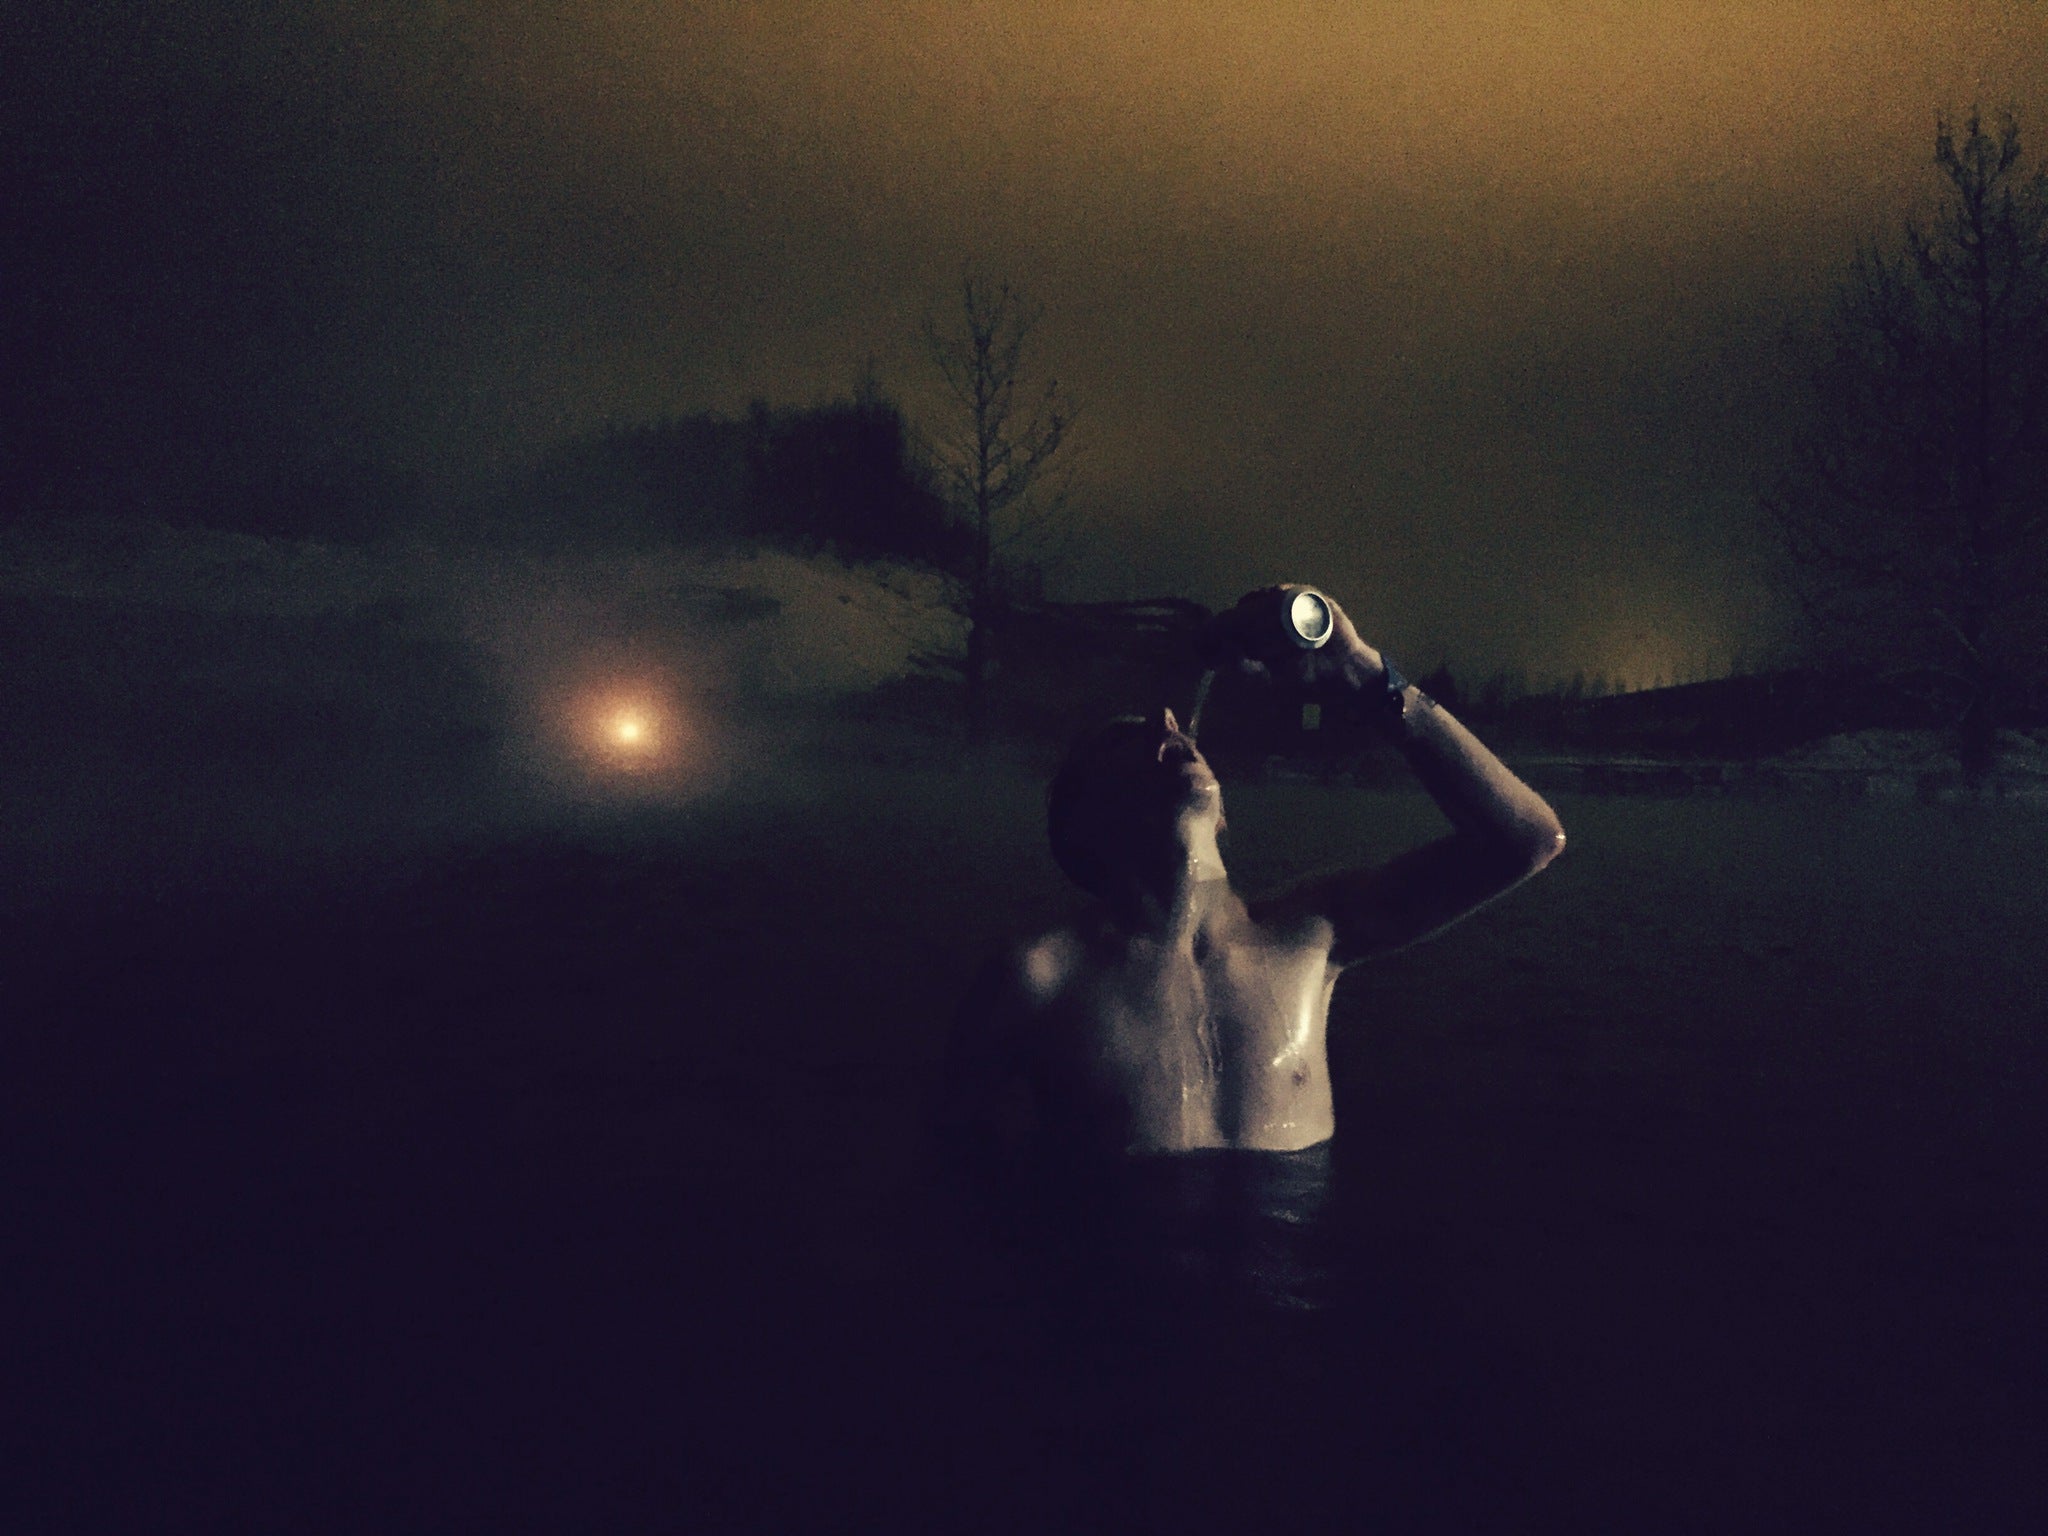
1468 313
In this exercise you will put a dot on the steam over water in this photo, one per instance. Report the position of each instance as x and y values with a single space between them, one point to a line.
1200 702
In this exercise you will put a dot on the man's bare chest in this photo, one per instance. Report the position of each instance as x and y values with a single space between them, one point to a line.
1229 1011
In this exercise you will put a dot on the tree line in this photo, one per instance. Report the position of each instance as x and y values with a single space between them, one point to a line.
1911 513
852 475
843 475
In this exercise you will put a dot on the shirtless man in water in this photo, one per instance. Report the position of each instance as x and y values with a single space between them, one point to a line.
1175 1016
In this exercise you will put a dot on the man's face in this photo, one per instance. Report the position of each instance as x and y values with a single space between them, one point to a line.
1146 773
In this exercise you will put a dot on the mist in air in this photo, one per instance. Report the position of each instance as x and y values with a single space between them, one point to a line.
205 707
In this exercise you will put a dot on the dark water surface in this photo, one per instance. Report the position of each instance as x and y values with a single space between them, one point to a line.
576 1183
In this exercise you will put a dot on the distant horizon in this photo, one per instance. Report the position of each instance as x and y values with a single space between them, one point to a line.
1471 675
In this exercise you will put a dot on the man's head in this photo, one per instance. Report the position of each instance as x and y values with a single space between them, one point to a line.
1129 793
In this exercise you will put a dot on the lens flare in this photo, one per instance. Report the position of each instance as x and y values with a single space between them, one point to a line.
628 733
634 734
618 731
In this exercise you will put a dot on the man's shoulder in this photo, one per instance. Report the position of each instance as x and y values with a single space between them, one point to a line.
1290 919
1042 967
1022 980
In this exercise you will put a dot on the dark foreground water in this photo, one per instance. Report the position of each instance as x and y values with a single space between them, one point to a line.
575 1182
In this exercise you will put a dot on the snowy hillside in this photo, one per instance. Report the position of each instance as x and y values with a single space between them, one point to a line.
767 621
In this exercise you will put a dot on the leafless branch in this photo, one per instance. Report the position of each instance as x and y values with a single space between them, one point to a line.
993 451
1914 505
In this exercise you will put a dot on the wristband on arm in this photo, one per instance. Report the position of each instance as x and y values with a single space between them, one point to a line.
1392 701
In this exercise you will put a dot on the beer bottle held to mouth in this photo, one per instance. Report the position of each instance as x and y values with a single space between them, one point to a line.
1269 626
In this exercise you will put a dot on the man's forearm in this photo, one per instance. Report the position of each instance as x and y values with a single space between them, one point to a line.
1477 791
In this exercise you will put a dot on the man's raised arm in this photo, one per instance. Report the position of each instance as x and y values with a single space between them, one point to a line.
1505 833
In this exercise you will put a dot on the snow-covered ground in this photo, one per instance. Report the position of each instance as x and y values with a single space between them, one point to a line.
2021 754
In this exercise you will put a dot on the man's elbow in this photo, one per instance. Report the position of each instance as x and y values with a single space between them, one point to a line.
1538 844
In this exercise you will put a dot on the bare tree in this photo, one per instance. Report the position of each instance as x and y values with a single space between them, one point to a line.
1915 509
992 450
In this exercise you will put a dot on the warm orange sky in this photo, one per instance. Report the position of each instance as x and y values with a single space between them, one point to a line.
1466 312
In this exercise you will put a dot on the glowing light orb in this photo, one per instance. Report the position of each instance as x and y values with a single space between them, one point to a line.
621 734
